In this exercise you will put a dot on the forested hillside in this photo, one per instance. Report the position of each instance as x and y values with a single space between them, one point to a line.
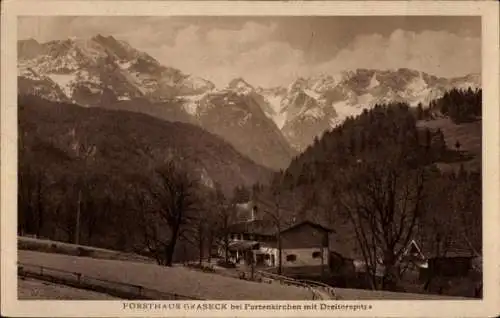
377 180
93 159
460 105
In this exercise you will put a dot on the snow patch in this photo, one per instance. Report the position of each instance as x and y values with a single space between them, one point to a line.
316 112
191 108
312 93
366 99
95 90
275 110
85 76
344 110
417 85
274 102
242 88
124 65
244 120
64 81
324 82
192 103
280 119
198 83
29 74
373 82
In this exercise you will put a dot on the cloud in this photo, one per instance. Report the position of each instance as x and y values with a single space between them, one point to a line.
437 52
139 31
221 54
251 52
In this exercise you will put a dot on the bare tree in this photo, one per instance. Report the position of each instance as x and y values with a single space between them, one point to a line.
32 198
84 152
169 206
200 233
383 201
277 205
223 218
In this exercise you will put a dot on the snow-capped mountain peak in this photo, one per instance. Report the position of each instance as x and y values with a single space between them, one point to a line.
239 85
103 68
311 102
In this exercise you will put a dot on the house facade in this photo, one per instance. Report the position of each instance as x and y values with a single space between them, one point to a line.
303 244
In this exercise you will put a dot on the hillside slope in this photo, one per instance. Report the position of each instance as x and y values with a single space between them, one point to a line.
467 136
123 143
106 72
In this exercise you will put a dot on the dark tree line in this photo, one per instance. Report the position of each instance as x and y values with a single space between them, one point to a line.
165 214
376 174
459 104
93 177
383 128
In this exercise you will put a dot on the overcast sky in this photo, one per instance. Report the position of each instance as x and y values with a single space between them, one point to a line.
270 51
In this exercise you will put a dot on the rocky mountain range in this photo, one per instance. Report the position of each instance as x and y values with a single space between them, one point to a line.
269 125
309 106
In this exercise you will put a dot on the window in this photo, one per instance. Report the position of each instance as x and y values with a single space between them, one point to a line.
232 236
267 257
291 258
316 254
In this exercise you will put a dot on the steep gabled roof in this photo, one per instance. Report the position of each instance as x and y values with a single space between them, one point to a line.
307 222
454 248
267 227
413 250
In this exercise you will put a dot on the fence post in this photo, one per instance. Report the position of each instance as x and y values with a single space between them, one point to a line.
79 277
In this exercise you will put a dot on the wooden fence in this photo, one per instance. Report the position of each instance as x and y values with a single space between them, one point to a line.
294 282
81 281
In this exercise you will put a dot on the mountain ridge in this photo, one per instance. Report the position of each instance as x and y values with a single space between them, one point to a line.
103 71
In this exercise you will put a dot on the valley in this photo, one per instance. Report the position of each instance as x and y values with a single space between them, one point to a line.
121 152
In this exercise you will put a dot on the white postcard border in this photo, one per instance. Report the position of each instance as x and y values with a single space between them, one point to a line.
488 10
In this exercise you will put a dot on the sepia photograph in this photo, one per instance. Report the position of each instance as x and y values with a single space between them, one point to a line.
249 158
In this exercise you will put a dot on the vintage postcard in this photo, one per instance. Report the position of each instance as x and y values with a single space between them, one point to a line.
280 159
